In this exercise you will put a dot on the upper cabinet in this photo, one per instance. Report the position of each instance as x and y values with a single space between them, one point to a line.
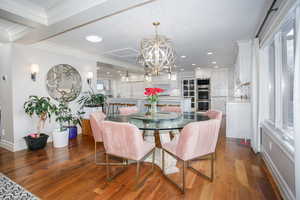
243 63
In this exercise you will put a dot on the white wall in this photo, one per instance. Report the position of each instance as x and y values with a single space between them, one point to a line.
6 105
23 86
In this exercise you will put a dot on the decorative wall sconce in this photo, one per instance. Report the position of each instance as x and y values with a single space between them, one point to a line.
90 76
34 70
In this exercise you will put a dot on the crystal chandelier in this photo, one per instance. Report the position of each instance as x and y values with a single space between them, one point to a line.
157 54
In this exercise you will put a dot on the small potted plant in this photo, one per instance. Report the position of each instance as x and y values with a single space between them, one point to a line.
61 134
91 102
42 108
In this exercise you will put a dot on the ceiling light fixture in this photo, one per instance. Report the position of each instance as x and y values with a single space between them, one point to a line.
93 38
194 64
214 62
183 56
216 67
157 54
209 53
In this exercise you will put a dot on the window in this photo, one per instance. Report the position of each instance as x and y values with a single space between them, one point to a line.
272 82
287 81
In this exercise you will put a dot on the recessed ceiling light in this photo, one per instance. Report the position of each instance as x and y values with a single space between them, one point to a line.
107 72
119 71
181 69
93 38
214 62
198 67
216 67
183 56
193 64
209 53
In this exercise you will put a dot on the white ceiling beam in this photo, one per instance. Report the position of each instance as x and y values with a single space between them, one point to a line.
29 15
91 15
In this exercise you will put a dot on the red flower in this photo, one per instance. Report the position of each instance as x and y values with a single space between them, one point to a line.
152 91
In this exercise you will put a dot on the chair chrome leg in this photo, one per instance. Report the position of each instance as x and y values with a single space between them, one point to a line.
180 187
153 160
203 175
137 174
213 157
95 152
163 161
183 176
107 168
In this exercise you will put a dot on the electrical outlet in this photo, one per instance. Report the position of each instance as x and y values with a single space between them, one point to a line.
3 131
270 146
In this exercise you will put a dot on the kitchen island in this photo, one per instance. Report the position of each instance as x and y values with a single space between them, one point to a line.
185 103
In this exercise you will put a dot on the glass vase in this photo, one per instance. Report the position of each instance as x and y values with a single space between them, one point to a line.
153 108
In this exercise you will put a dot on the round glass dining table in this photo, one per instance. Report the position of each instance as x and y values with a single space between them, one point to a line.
161 122
163 125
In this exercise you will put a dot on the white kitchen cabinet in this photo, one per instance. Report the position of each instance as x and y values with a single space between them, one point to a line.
243 62
219 83
238 119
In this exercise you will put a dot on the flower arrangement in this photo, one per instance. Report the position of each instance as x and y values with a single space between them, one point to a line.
152 94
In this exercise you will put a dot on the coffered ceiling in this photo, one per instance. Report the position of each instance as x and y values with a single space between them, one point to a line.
194 26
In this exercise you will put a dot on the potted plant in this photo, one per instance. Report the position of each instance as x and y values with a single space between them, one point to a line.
42 108
73 121
61 135
91 102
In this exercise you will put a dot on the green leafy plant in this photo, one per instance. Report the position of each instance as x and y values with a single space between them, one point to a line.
65 118
41 107
90 99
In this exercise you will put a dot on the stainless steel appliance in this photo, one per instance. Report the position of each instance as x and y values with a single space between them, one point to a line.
203 94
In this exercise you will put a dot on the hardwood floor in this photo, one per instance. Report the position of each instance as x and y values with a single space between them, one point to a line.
70 173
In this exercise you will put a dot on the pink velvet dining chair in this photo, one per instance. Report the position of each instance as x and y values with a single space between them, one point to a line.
197 139
214 114
95 119
128 110
125 141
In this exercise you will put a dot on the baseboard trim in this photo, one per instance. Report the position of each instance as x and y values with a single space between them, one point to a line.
284 189
7 145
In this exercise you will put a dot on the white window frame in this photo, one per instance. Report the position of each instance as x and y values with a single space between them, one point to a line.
286 135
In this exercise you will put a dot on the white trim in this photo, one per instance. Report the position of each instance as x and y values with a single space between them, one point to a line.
276 137
7 145
69 8
282 185
278 21
297 104
29 11
278 76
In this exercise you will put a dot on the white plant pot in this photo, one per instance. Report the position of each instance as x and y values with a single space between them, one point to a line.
60 138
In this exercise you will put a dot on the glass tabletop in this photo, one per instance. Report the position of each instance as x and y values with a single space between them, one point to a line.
161 121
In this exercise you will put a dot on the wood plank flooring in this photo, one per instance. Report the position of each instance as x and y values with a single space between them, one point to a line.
70 173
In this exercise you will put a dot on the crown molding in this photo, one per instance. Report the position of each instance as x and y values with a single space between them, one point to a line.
69 8
26 10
